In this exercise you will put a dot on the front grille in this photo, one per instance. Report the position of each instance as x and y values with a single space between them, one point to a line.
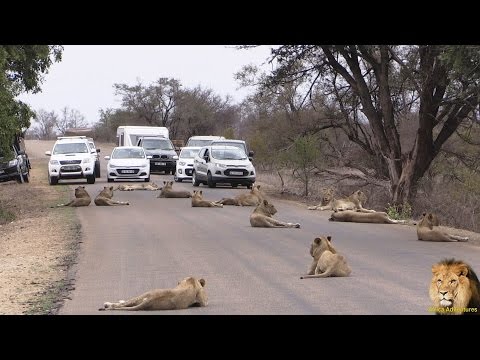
188 172
164 156
128 171
243 172
70 162
70 168
155 156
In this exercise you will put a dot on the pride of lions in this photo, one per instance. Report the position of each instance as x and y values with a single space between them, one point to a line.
454 283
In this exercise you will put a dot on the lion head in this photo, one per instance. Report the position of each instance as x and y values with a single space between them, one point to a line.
199 286
266 208
454 285
429 220
80 192
107 192
320 245
327 196
360 195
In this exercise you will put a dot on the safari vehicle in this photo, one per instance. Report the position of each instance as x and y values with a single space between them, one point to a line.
14 166
238 143
202 140
161 152
222 164
128 163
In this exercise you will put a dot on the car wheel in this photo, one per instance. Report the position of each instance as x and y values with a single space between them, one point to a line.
176 178
109 179
147 179
210 182
249 186
53 180
234 185
194 179
26 177
91 179
97 170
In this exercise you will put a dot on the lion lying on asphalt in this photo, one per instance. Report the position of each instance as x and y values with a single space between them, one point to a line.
250 198
197 200
326 261
361 217
82 198
189 292
353 202
426 232
104 198
454 289
167 191
262 216
131 187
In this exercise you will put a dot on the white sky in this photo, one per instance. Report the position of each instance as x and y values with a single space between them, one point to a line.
84 79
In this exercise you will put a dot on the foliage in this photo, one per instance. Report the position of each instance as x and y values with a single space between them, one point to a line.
399 211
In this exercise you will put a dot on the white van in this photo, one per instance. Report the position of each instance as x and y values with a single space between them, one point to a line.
129 135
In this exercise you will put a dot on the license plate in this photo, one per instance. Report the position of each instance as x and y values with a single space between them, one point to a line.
160 164
70 167
128 171
236 173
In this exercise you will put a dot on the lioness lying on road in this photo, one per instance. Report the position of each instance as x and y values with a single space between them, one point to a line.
82 198
262 216
353 202
250 198
360 217
167 191
131 187
104 198
426 232
326 261
197 200
189 292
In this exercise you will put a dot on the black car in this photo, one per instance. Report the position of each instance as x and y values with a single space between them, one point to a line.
14 166
164 157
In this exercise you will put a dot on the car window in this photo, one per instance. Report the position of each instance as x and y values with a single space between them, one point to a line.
241 146
128 154
228 154
199 142
157 144
188 153
70 148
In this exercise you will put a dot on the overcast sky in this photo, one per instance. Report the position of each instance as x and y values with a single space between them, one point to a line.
84 79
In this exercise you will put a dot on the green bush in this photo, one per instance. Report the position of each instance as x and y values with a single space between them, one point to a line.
399 211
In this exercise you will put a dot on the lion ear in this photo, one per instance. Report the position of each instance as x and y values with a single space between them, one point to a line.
201 192
424 214
202 282
164 183
265 202
317 241
111 187
462 270
329 238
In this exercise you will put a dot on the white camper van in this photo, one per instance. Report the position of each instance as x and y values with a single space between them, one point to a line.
128 135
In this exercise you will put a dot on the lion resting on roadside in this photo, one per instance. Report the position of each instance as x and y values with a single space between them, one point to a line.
189 292
454 289
360 217
250 198
426 232
82 198
104 198
353 202
131 187
326 261
197 200
262 216
167 191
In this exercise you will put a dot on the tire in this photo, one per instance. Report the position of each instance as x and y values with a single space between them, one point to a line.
26 177
91 179
97 170
147 179
210 182
53 180
234 185
249 186
194 179
176 179
109 180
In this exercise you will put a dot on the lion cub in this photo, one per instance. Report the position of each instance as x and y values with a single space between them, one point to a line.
353 202
250 198
197 200
326 261
131 187
426 232
167 191
262 216
82 198
104 198
189 292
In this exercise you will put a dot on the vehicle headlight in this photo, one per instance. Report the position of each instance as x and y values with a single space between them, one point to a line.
182 163
223 166
87 160
112 166
54 162
175 157
143 165
13 162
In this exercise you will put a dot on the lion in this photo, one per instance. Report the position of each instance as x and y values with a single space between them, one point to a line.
167 191
189 292
262 216
250 198
82 198
326 261
327 197
454 289
131 187
426 232
197 200
353 202
376 217
104 198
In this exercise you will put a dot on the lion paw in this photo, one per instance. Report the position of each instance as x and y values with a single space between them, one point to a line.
297 225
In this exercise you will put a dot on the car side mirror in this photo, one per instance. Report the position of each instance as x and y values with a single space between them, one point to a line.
250 158
107 157
98 150
250 154
21 152
206 158
48 153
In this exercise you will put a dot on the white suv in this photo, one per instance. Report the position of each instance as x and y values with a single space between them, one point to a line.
222 164
71 158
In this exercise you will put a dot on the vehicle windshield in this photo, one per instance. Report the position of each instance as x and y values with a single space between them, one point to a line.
157 144
128 154
228 154
188 153
241 146
70 148
200 143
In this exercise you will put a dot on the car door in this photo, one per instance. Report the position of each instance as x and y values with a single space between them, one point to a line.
200 164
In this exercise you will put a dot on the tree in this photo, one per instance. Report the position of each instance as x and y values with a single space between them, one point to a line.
70 118
366 88
21 70
44 127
